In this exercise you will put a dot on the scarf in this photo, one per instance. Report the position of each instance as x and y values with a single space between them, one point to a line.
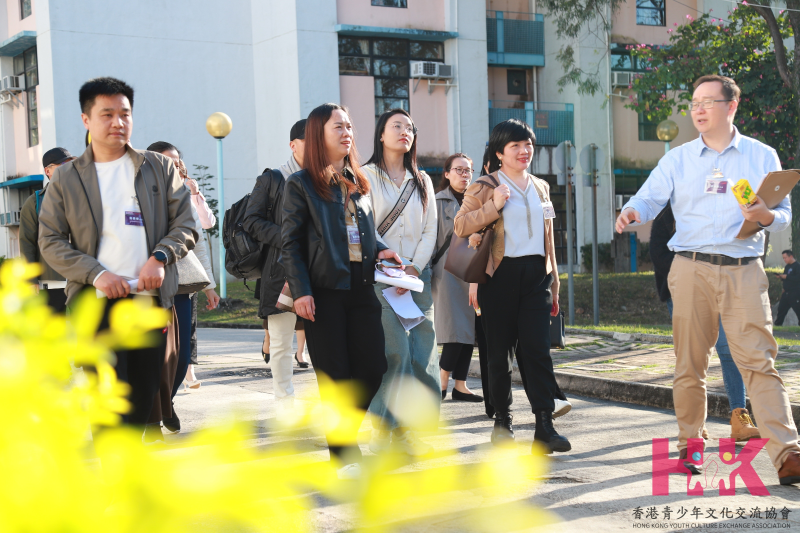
290 167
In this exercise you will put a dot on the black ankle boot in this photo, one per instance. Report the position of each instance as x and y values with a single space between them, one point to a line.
547 435
502 432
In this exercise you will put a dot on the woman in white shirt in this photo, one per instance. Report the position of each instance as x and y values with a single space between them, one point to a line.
412 234
522 291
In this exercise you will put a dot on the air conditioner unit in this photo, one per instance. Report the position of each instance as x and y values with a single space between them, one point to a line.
622 79
12 84
431 69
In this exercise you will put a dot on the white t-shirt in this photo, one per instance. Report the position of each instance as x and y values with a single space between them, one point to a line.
523 221
123 242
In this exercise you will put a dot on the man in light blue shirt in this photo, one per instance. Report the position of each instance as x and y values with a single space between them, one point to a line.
716 276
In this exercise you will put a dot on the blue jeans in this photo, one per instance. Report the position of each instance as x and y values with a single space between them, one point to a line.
183 308
408 353
731 377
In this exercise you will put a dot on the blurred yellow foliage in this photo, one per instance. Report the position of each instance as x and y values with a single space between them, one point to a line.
56 478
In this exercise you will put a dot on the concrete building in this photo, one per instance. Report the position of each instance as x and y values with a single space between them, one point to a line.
459 67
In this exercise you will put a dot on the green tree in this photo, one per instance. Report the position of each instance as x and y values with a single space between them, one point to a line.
740 46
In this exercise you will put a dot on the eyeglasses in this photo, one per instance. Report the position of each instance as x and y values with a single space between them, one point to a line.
399 128
463 171
706 104
56 165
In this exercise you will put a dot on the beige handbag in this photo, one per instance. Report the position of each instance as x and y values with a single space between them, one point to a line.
192 276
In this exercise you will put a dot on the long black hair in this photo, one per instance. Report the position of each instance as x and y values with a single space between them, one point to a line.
508 131
409 158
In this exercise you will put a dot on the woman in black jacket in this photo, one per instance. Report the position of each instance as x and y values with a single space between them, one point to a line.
329 254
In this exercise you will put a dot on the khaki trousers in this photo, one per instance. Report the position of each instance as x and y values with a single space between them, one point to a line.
703 293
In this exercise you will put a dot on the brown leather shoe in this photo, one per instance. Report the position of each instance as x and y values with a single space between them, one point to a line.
789 474
742 427
693 468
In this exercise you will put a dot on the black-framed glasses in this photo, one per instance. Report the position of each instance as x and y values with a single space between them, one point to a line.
705 104
463 171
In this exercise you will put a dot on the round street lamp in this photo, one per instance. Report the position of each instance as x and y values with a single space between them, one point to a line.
666 131
219 125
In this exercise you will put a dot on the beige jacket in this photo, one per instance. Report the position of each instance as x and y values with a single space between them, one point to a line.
71 218
478 211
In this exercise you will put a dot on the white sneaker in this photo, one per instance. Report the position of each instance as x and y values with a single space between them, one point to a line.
562 407
410 444
380 441
351 471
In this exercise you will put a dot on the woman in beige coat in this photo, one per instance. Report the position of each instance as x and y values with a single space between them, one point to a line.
522 292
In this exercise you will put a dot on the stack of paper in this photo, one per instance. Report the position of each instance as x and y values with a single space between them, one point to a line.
408 313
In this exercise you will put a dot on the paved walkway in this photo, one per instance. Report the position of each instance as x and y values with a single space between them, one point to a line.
653 363
596 487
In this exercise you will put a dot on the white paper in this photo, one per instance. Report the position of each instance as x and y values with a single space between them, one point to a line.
408 313
405 282
132 282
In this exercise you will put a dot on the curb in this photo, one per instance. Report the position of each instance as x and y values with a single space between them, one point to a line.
646 337
630 392
227 326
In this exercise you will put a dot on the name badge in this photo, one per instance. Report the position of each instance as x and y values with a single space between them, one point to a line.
548 210
716 186
133 218
353 236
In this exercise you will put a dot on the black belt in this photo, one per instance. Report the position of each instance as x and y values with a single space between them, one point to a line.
714 259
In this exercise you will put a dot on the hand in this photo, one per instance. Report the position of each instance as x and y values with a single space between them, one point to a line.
626 217
758 212
213 299
113 286
35 288
304 307
473 295
388 254
501 194
192 184
151 276
554 311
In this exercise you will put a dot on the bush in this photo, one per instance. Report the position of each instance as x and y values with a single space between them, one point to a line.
604 254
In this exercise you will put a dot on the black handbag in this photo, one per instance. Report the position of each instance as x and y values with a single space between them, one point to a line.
558 337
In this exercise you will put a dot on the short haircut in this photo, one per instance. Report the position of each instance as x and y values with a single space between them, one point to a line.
730 90
788 252
508 131
102 86
163 146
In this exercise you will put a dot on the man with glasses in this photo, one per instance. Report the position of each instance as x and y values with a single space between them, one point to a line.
49 280
717 276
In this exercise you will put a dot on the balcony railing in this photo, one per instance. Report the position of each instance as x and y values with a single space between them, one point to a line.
552 123
515 39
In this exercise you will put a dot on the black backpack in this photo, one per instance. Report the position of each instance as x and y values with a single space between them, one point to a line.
244 256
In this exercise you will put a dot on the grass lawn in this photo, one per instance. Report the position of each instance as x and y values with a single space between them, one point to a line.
247 314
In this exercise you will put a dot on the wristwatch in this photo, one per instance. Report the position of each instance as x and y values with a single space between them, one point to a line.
160 256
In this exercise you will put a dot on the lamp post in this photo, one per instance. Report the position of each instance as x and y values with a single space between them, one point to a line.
666 131
219 125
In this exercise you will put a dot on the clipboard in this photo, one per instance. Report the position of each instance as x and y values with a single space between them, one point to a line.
773 189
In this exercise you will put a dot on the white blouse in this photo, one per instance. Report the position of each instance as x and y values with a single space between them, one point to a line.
523 220
413 234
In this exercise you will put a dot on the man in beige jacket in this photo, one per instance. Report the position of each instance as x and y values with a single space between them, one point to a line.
118 219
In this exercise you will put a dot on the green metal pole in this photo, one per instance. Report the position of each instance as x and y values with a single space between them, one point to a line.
223 288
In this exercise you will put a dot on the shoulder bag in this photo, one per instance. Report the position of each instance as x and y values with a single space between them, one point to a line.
401 204
469 263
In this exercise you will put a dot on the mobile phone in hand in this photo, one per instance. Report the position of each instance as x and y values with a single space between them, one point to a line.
391 263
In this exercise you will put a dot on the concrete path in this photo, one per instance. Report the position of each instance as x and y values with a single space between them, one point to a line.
598 486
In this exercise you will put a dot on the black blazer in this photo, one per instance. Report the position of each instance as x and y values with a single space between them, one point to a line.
660 233
314 234
263 219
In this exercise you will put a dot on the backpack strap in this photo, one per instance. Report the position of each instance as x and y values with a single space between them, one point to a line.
491 183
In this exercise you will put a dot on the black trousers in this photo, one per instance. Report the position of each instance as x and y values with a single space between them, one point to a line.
57 300
483 358
515 305
193 359
456 358
788 300
346 342
139 368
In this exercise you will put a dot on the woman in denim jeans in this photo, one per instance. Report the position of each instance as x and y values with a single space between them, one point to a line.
410 354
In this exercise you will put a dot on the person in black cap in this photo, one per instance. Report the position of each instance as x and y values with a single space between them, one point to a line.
49 280
263 221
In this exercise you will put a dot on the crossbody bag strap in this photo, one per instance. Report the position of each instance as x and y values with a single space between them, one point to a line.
401 204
